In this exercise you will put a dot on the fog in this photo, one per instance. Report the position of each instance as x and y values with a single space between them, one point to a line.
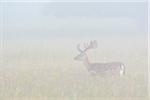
39 42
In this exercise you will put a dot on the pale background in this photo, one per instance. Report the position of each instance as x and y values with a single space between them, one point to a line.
38 44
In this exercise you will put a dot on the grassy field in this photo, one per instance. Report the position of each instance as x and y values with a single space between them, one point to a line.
46 70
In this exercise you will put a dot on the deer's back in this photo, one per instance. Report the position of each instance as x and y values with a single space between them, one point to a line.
105 66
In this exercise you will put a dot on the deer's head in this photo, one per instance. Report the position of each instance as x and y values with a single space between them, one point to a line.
86 46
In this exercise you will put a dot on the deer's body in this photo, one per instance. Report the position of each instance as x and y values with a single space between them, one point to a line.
100 68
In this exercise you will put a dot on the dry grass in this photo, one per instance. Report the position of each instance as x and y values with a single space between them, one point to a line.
47 72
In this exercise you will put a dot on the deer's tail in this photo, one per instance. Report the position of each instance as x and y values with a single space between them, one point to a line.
122 70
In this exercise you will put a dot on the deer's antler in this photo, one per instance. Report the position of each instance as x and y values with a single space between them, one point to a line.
79 49
87 46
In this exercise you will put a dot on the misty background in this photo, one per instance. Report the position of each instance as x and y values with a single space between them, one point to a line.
65 19
38 43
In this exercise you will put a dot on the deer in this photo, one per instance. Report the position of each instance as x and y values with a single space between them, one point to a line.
111 68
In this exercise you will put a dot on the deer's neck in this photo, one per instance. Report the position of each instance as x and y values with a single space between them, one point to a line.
86 62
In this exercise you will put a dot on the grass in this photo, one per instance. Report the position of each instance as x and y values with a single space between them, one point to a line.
48 72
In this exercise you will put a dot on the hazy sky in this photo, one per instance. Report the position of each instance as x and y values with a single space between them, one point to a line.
51 19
